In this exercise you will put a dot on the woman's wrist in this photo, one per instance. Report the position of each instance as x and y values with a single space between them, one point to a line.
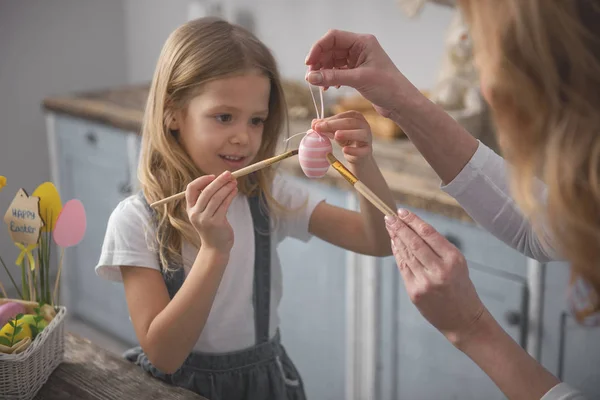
477 335
444 143
407 100
512 369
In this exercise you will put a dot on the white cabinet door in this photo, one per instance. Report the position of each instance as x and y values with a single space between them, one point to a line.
417 362
94 168
313 307
570 350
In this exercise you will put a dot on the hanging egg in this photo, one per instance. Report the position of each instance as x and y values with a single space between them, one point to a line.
312 154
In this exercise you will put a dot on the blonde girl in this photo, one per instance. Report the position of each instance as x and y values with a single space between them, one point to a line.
202 275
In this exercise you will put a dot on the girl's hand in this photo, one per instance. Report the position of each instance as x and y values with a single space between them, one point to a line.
208 199
350 130
436 277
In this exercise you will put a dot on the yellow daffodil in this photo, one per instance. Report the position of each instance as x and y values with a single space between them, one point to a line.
2 182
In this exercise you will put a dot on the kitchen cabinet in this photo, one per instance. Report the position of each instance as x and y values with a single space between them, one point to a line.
313 307
417 362
569 350
412 359
91 163
345 319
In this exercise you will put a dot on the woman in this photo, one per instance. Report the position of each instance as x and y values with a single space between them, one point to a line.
539 63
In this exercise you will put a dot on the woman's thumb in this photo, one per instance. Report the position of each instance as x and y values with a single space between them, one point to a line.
333 77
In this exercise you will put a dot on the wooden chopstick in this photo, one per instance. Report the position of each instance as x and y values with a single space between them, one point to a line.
236 174
359 186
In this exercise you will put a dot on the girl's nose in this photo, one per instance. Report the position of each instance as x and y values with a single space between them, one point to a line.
241 135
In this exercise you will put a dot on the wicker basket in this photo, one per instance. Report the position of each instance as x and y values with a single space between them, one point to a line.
23 375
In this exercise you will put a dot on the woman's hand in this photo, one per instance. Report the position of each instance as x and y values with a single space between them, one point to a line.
208 199
350 130
359 61
436 277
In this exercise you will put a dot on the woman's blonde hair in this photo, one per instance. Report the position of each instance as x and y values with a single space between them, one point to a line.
540 64
197 52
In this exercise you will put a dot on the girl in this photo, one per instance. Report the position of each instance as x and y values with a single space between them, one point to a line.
202 276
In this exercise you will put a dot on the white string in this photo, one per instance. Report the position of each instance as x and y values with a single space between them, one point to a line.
315 101
294 135
322 102
316 111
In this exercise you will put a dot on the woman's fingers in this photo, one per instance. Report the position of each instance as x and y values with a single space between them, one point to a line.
335 44
416 247
401 256
435 241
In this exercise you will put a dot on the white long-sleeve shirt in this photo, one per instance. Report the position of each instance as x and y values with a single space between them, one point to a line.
482 190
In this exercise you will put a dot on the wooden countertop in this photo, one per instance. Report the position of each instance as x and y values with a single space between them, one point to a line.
410 178
89 372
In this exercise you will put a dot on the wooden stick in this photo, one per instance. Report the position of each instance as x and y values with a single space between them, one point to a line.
30 279
3 291
359 186
60 263
236 174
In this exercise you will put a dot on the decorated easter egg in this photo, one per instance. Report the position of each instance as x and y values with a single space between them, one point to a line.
8 330
71 224
50 204
312 154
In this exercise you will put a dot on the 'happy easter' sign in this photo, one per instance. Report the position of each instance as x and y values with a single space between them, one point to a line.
23 219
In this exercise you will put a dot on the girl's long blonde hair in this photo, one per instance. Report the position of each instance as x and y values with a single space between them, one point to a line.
197 52
540 64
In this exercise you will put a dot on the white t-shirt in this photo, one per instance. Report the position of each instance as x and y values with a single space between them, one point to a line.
129 241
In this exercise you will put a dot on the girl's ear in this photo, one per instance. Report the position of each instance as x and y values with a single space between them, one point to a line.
174 123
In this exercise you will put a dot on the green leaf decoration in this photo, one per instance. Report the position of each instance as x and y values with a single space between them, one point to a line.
5 341
34 331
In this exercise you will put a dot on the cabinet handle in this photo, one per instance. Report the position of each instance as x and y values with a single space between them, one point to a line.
91 137
125 189
513 318
454 240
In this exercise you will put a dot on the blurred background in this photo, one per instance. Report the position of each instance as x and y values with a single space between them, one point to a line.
73 82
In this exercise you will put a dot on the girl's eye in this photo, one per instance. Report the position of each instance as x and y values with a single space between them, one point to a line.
224 118
257 121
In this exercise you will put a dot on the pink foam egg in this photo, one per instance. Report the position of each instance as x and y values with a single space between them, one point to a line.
70 224
312 154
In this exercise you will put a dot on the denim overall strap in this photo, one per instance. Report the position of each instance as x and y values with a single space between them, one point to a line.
262 269
262 371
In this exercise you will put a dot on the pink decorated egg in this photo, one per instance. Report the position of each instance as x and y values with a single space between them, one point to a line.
312 154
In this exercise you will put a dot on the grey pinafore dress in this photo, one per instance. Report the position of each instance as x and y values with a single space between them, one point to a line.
263 371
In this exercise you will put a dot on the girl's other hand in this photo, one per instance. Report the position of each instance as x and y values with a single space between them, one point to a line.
350 130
